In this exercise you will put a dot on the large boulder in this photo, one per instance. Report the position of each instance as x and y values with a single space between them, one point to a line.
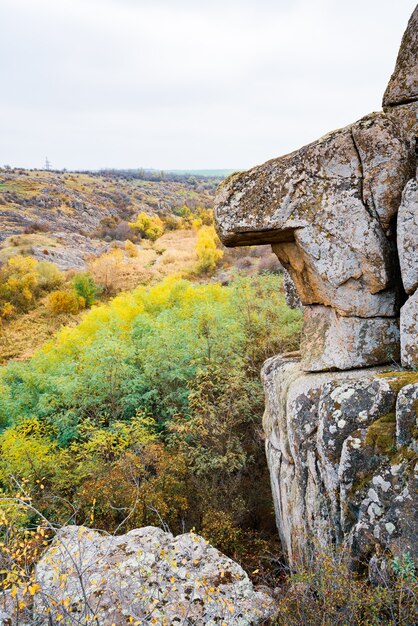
145 577
341 449
329 210
403 85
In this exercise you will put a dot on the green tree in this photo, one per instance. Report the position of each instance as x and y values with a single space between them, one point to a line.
85 287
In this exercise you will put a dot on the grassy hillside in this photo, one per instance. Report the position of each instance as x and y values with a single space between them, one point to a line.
81 222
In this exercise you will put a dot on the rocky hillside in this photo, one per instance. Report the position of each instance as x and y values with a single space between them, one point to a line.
66 217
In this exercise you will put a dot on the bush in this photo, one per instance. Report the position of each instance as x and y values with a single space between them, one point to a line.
148 226
7 310
172 222
19 282
131 249
22 280
85 288
208 252
107 271
326 592
65 302
49 276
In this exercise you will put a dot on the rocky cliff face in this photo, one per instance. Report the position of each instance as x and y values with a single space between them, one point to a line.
342 217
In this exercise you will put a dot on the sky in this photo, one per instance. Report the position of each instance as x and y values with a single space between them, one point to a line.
185 84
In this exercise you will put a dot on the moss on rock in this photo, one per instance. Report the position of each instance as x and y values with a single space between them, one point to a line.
381 435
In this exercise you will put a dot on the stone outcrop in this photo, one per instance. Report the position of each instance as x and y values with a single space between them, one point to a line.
341 449
407 238
331 341
145 577
403 85
341 215
407 231
329 210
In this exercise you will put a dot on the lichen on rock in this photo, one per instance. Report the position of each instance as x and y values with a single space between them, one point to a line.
144 577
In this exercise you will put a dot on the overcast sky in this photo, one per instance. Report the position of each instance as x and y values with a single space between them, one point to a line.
184 83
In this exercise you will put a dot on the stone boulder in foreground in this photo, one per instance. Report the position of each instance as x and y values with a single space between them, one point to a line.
147 575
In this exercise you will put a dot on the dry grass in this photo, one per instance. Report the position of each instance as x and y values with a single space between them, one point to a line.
173 253
20 337
22 244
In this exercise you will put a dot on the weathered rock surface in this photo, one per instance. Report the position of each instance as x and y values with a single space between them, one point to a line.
407 236
147 575
291 295
403 85
330 341
409 332
407 416
326 208
341 449
329 210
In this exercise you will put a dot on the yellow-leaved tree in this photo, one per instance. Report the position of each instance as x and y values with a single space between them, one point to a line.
148 226
207 249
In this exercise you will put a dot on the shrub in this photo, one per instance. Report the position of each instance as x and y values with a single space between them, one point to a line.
36 227
148 226
7 310
22 280
172 222
208 252
19 282
131 249
326 592
49 276
65 302
85 287
107 270
220 530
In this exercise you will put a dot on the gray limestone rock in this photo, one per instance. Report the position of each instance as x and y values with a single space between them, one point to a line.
147 575
403 84
407 416
330 341
407 235
409 332
336 470
326 209
341 446
291 295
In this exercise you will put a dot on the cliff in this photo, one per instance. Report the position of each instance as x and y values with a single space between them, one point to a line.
341 215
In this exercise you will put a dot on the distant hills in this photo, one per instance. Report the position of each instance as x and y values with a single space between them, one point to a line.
208 173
